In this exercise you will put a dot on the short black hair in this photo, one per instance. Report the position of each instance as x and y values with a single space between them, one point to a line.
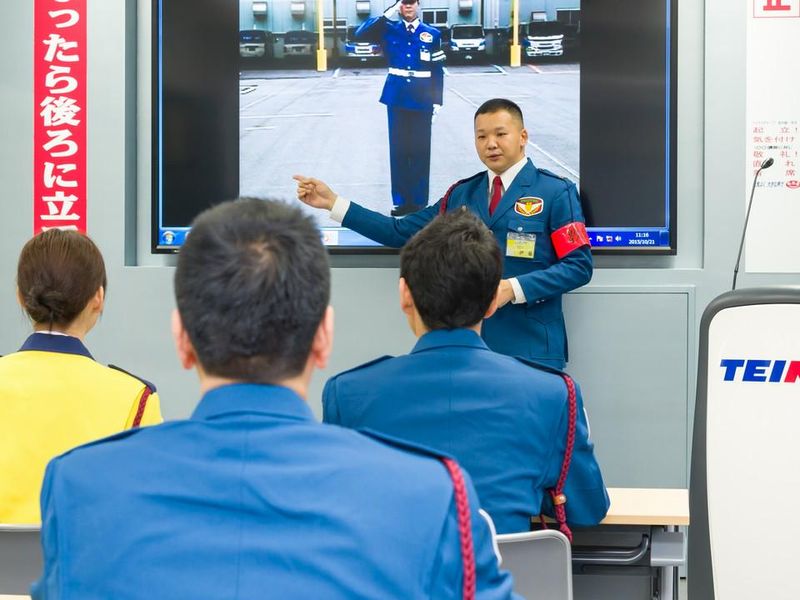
252 285
496 105
452 268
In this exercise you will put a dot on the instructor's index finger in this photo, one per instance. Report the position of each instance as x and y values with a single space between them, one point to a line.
302 179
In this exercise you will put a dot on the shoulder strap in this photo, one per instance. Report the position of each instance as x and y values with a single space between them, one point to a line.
551 174
464 528
367 364
557 493
462 504
142 379
446 197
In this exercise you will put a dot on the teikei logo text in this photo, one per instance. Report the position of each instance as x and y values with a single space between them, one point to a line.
759 370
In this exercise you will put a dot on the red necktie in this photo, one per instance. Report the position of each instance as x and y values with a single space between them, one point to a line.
497 191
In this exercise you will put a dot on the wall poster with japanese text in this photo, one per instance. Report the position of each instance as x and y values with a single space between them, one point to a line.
59 112
773 131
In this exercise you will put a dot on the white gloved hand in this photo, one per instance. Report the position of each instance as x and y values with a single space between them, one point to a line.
392 10
436 109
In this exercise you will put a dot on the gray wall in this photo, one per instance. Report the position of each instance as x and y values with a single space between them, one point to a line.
633 330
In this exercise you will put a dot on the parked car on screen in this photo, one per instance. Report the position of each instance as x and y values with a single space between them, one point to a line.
359 50
543 38
255 43
467 42
299 43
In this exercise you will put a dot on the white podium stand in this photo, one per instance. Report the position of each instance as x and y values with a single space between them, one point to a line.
745 480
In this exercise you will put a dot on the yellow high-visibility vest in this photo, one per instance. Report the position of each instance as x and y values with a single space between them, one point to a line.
55 396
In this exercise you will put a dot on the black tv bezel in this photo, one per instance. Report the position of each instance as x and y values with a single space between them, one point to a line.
379 250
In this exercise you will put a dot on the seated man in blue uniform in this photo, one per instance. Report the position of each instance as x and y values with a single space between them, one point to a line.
535 216
506 420
412 93
251 497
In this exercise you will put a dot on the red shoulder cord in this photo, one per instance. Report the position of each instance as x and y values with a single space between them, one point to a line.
142 405
557 492
464 528
446 197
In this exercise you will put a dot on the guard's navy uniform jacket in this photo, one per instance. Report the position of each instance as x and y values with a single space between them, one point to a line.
413 85
504 420
537 203
252 498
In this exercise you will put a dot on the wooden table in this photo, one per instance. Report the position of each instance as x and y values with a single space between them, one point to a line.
648 506
649 515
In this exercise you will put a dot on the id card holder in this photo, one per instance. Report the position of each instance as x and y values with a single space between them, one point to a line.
520 245
424 55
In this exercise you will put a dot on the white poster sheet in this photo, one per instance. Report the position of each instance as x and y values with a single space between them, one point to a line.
773 131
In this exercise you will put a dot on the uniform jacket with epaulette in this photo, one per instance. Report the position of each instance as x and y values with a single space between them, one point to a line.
251 497
539 203
503 419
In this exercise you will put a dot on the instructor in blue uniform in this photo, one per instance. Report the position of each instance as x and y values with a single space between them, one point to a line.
251 497
506 420
412 93
535 216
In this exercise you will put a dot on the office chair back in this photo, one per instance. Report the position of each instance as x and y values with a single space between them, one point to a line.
20 558
541 563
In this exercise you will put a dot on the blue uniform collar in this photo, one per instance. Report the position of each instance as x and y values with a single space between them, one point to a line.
265 399
449 337
64 344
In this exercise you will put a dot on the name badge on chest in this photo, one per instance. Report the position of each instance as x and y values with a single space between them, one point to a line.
520 245
424 55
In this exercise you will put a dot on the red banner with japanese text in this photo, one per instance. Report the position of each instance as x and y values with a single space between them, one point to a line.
59 115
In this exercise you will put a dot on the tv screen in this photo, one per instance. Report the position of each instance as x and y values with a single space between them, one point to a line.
242 100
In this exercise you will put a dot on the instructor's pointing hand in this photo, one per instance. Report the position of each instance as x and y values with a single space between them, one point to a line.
314 192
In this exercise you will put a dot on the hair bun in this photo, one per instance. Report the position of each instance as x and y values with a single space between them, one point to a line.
57 274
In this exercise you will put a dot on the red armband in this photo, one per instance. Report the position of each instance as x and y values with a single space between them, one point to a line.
569 237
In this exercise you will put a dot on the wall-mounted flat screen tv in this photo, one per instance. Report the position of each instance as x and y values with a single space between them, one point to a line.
242 100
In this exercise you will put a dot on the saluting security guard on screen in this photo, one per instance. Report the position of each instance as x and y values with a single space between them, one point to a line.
412 95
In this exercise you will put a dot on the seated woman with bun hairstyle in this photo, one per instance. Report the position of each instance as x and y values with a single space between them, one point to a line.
53 395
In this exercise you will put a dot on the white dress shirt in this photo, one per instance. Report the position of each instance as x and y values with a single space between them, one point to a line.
507 177
414 24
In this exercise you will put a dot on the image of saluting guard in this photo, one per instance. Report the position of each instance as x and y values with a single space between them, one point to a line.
412 95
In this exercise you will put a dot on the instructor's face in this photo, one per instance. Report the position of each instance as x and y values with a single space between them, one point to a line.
499 140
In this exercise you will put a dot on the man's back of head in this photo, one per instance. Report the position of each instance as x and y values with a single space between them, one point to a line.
252 285
452 269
